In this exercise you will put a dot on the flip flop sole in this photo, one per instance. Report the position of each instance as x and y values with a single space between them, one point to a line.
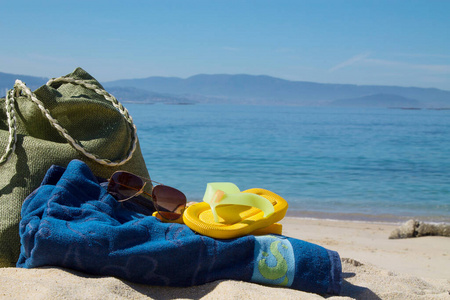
235 220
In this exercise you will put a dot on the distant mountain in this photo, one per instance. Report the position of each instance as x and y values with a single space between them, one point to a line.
7 82
270 90
250 89
134 95
379 100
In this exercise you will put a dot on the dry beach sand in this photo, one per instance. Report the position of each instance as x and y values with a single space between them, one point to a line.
374 267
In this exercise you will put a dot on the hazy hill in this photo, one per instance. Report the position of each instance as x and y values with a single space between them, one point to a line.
7 81
135 95
266 89
250 89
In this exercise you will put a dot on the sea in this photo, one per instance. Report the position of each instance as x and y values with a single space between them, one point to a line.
361 164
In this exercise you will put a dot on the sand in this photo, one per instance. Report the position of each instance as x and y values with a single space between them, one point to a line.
374 267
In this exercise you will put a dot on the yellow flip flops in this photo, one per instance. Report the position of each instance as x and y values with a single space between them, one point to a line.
228 213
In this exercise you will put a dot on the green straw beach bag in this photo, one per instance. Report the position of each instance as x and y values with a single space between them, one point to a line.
70 117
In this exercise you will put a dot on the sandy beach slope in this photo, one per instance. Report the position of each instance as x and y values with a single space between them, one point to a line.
374 267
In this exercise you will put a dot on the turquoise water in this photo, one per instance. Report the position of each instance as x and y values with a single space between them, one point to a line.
339 163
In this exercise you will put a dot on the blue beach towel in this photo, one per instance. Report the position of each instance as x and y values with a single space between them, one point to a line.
71 221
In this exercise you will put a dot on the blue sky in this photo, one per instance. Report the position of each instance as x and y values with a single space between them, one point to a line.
405 43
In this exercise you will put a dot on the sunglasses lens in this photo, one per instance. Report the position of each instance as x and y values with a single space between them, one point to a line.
170 202
124 185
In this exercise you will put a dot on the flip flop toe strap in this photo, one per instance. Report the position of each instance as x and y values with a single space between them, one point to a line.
223 193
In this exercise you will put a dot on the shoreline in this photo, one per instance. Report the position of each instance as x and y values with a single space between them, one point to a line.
368 242
361 217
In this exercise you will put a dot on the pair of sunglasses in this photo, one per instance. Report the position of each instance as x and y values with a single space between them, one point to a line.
168 201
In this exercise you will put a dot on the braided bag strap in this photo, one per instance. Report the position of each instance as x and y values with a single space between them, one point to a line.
11 119
20 87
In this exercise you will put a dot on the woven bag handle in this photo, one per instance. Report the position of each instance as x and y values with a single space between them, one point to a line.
20 87
11 119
